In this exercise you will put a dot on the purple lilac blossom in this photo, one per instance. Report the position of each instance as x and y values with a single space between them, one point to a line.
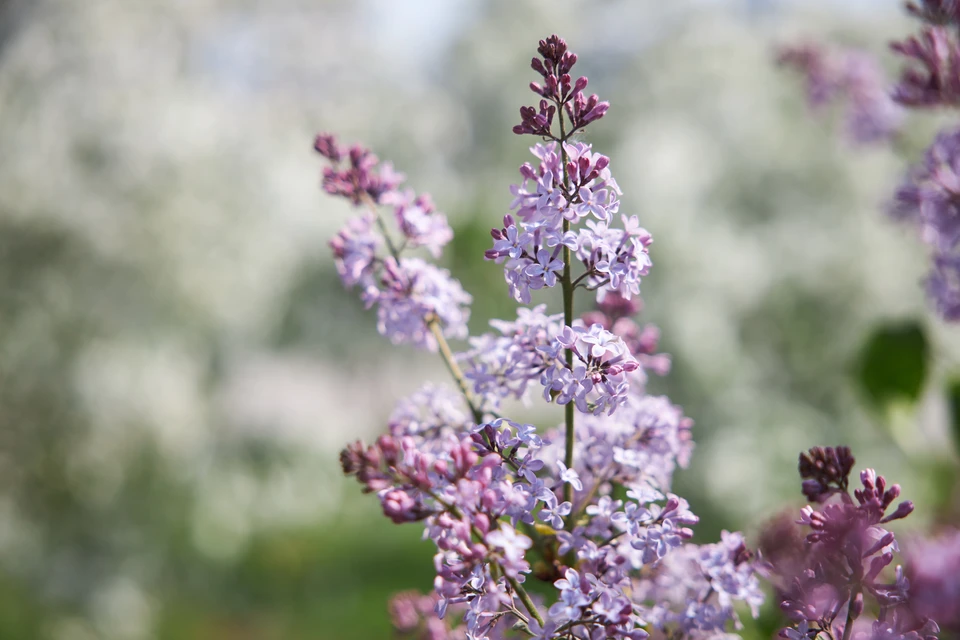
503 364
495 496
696 587
854 78
584 191
411 292
846 557
419 222
936 11
616 259
930 79
933 569
929 199
614 313
642 444
430 414
597 382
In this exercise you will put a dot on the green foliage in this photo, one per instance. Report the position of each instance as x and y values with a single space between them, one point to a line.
894 363
953 399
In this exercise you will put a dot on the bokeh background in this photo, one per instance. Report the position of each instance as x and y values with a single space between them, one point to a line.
179 365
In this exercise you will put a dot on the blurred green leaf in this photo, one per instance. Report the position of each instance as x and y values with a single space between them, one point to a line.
953 398
893 364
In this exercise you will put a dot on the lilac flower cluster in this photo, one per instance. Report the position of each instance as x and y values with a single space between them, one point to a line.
930 199
503 364
704 582
928 196
414 298
571 186
586 508
933 569
837 582
852 79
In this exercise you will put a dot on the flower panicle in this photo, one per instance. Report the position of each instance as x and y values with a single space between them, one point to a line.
826 583
874 111
505 502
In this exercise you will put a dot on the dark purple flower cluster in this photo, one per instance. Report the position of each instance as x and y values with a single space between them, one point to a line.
936 11
586 508
559 92
837 582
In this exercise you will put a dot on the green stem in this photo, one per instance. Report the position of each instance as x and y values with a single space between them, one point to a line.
432 322
448 358
567 284
525 599
848 625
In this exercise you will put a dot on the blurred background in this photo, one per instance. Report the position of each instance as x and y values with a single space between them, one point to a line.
179 365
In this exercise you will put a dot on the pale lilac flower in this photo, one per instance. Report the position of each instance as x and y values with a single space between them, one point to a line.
552 513
930 199
430 414
617 259
598 381
355 249
410 292
512 546
420 223
569 476
504 364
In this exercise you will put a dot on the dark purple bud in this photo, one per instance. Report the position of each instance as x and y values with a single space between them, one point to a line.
580 85
904 509
564 86
596 113
940 12
550 88
552 49
879 544
326 145
538 67
891 494
876 566
856 606
351 458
